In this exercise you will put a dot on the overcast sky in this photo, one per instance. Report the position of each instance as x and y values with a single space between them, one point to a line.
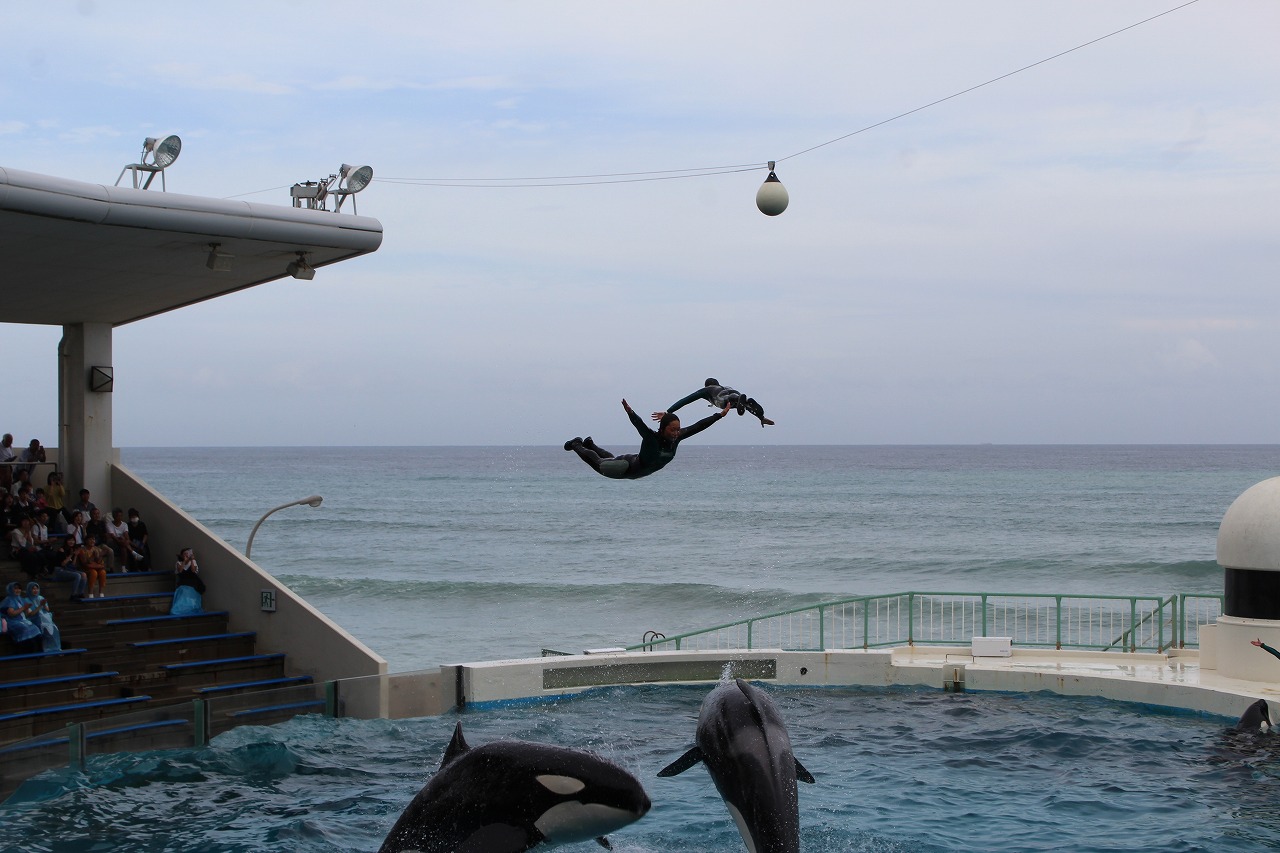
1085 252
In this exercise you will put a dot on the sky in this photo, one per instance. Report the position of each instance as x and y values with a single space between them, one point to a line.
1082 252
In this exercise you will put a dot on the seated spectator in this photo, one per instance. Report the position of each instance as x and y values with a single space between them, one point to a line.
24 500
20 478
41 616
84 506
8 515
21 630
138 541
89 560
64 569
76 528
97 528
117 539
22 547
55 498
188 594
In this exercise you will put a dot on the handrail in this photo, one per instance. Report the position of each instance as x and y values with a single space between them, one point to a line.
1149 612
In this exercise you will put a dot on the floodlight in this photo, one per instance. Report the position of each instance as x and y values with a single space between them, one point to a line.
351 179
302 270
772 196
162 153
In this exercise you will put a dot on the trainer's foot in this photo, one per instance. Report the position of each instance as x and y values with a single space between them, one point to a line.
568 445
764 422
589 444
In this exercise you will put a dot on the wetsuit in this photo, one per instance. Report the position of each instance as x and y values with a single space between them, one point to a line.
655 451
720 396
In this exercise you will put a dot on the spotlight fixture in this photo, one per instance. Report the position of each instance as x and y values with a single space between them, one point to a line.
157 155
349 180
300 268
772 196
218 260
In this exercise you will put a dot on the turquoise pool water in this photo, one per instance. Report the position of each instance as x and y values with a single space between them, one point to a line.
897 770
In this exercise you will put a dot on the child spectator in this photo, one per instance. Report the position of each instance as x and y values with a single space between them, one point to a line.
89 560
41 616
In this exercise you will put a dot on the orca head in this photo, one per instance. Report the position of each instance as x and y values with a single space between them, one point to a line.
585 796
509 796
1256 717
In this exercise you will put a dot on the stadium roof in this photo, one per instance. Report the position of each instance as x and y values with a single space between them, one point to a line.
73 252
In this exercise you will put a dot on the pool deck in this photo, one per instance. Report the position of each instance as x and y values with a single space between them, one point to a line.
1173 680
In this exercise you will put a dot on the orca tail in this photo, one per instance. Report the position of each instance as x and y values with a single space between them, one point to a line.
683 763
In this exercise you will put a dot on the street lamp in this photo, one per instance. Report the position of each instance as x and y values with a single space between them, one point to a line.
314 500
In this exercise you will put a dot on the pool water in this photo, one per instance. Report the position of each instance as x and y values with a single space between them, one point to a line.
897 770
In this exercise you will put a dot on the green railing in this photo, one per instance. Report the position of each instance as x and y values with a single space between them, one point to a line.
1101 623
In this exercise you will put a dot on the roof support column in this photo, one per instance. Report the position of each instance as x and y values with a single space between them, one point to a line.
84 411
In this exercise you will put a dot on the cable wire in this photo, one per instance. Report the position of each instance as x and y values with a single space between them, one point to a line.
707 171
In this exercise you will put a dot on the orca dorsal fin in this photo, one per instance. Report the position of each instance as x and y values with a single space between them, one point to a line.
683 763
457 746
802 774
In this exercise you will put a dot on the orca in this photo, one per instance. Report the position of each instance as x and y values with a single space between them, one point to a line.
509 796
1255 718
744 744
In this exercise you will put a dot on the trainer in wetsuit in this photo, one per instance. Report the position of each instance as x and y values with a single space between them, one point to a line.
719 396
656 448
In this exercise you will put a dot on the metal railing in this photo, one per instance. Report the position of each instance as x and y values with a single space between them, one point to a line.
1101 623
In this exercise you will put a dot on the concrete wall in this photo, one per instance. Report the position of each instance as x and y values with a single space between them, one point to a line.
316 645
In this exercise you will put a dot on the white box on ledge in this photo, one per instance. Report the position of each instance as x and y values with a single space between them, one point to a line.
992 647
611 650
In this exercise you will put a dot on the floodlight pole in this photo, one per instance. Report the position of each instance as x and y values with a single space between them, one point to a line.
312 501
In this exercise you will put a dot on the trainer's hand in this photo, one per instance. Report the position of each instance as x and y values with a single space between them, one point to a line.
625 406
725 410
657 416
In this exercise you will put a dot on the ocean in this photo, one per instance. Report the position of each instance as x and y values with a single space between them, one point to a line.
434 555
438 555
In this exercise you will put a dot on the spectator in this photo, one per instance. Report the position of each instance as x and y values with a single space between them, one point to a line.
65 569
30 457
90 561
76 528
84 506
24 501
138 537
23 632
22 547
97 528
55 498
41 616
6 459
188 593
21 477
117 539
8 515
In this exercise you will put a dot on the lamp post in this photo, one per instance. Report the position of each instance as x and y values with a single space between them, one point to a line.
314 500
